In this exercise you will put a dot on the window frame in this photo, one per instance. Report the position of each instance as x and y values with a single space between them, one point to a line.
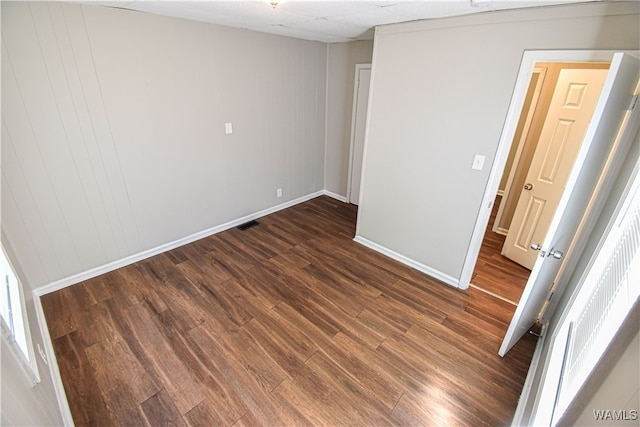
26 361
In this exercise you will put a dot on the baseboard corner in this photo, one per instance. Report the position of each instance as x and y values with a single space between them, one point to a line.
429 271
335 196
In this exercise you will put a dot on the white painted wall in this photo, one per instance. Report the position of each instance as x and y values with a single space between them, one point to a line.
341 65
620 391
432 112
113 142
113 136
23 404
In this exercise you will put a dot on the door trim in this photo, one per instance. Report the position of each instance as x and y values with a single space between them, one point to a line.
607 142
529 59
520 145
354 110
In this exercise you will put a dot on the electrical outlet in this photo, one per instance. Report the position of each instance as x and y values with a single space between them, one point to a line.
279 192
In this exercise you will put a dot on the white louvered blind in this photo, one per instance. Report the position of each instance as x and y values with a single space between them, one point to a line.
609 291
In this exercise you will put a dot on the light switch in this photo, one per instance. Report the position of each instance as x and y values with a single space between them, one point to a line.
228 128
478 162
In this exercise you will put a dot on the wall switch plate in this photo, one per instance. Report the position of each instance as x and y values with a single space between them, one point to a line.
478 162
279 192
228 128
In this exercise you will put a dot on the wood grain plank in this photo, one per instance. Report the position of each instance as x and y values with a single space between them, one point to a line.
495 272
226 294
318 403
121 378
368 410
342 353
160 358
97 324
289 259
97 289
133 285
426 383
159 410
86 400
287 323
60 320
288 335
257 400
449 376
222 404
311 305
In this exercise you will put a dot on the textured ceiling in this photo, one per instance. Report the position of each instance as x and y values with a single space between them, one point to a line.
326 21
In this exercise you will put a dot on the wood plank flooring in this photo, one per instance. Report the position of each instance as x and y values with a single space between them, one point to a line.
287 323
494 272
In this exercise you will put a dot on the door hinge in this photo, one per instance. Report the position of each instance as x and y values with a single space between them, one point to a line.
550 296
633 103
537 329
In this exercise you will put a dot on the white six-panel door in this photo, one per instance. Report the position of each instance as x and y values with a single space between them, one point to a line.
585 177
572 105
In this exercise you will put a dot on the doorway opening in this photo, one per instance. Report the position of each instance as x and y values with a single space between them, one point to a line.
496 274
362 81
558 106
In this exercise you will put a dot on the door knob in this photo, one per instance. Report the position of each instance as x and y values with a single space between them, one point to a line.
528 186
555 253
536 246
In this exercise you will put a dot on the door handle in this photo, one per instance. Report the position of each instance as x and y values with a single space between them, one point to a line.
555 253
537 247
528 186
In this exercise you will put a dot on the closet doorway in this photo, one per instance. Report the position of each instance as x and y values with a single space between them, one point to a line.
541 155
358 127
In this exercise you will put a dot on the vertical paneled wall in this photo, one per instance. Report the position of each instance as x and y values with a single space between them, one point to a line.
113 136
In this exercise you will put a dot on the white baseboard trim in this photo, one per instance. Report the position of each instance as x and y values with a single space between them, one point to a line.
449 280
63 404
52 363
335 196
528 388
502 231
123 262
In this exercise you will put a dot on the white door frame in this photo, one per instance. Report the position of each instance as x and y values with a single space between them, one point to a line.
354 111
529 59
520 144
606 144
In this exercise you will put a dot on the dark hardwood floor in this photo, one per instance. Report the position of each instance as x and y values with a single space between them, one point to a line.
494 272
286 323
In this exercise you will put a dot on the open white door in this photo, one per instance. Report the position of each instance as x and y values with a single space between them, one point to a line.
358 127
612 106
574 101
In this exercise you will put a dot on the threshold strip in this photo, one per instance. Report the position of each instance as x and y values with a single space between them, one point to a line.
471 285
